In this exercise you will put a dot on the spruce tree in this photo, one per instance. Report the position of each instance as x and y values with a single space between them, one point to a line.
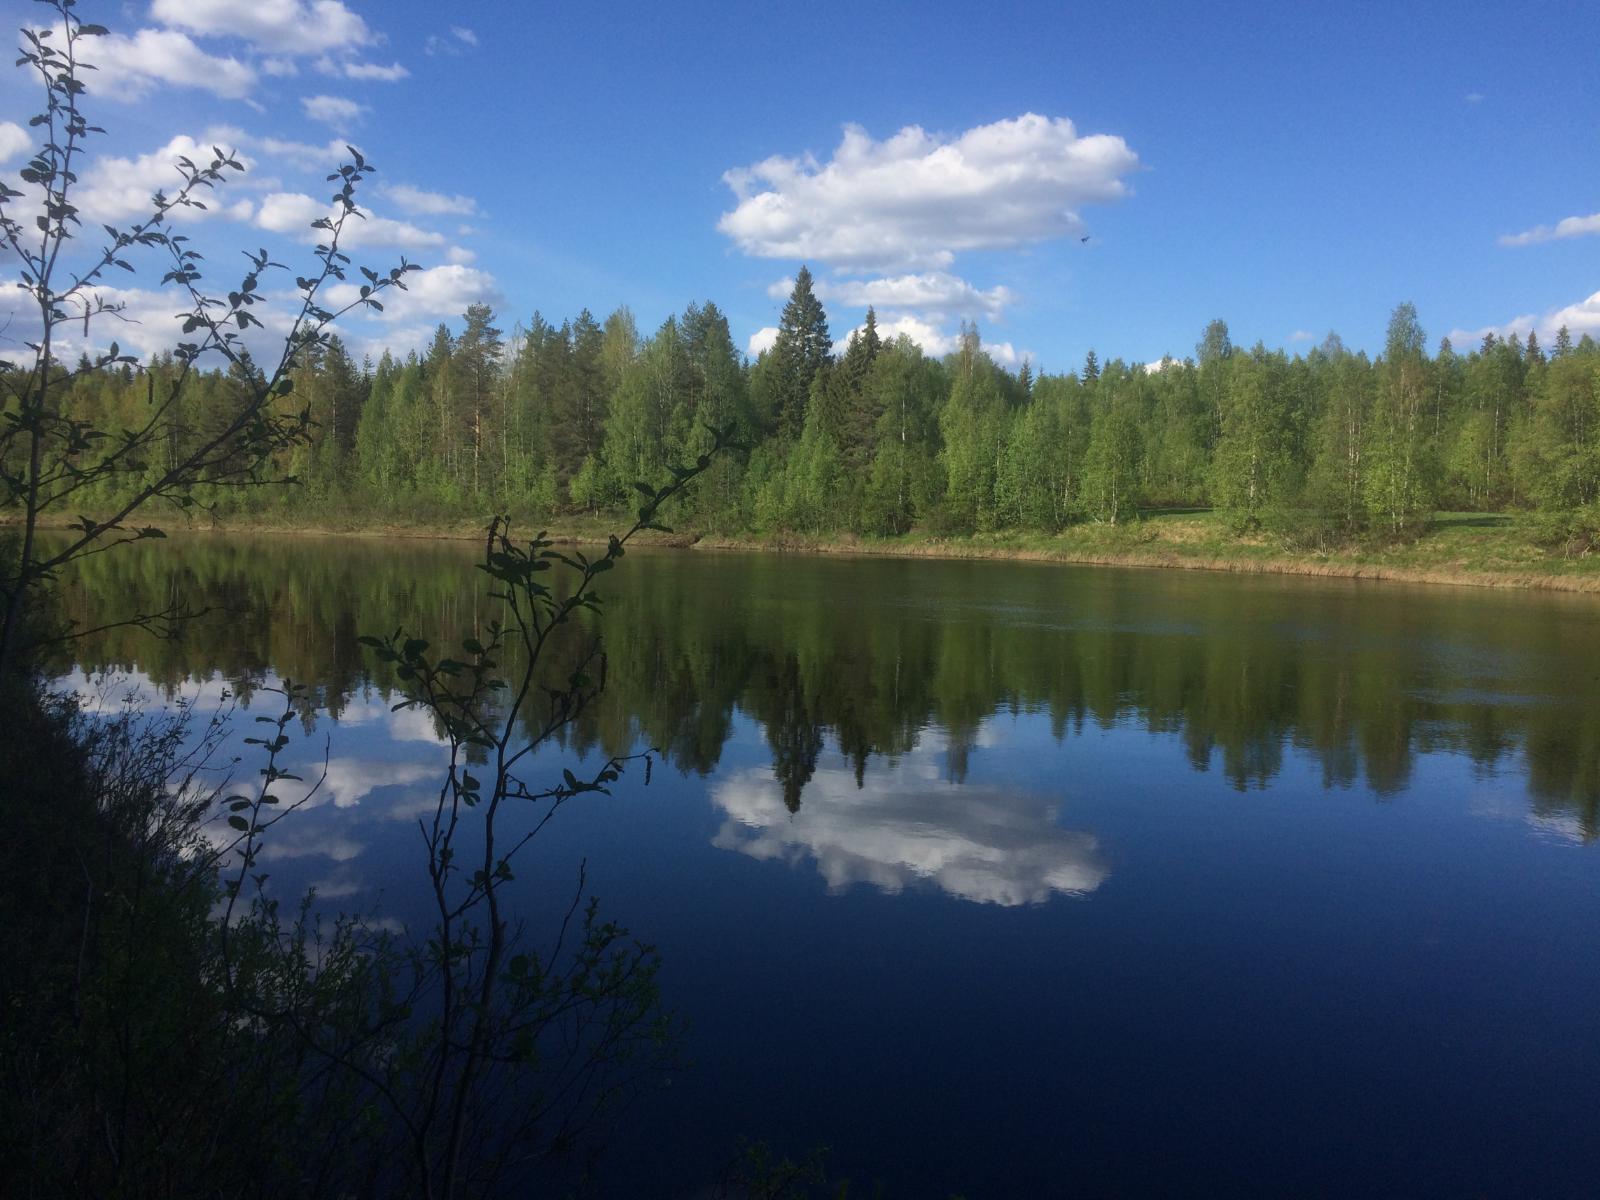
801 350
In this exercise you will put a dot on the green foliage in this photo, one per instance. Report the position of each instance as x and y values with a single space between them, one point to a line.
1111 481
802 349
1253 465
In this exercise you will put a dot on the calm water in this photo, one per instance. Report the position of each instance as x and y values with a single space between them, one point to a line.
1013 879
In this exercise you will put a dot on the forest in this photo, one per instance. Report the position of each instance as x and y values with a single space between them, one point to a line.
873 437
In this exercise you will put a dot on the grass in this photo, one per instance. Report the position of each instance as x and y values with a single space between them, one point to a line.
1495 550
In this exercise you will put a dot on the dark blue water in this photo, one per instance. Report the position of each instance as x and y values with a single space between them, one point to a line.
1015 880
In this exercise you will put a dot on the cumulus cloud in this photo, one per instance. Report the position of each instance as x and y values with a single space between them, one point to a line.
933 339
310 839
432 204
128 67
303 155
916 199
115 189
336 111
929 292
291 214
1567 227
349 781
14 140
1579 318
462 33
113 691
433 293
147 322
375 71
906 827
285 26
761 341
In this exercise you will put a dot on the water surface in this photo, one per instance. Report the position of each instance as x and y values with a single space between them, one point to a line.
1014 879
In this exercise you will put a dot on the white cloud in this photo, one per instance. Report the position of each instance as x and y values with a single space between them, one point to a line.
350 780
376 71
905 826
929 292
1579 318
460 254
127 68
291 214
1567 227
285 26
302 155
916 199
399 725
310 839
761 341
1302 335
115 189
149 322
434 293
933 339
1473 98
279 67
432 204
459 36
333 110
14 140
113 691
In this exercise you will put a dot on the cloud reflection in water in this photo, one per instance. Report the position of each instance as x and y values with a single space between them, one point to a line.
906 826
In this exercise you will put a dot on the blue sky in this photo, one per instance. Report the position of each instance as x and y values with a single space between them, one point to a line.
1292 169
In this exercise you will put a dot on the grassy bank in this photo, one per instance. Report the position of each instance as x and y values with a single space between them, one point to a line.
1478 549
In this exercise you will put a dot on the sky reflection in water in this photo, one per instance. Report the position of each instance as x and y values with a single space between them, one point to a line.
980 873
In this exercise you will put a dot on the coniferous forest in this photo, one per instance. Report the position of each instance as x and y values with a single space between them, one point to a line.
553 421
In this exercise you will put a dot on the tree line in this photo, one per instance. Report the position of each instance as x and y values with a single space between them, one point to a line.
880 438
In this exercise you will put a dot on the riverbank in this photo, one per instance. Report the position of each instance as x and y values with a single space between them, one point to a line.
1465 549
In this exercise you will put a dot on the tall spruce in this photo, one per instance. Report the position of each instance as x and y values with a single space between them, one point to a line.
802 349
